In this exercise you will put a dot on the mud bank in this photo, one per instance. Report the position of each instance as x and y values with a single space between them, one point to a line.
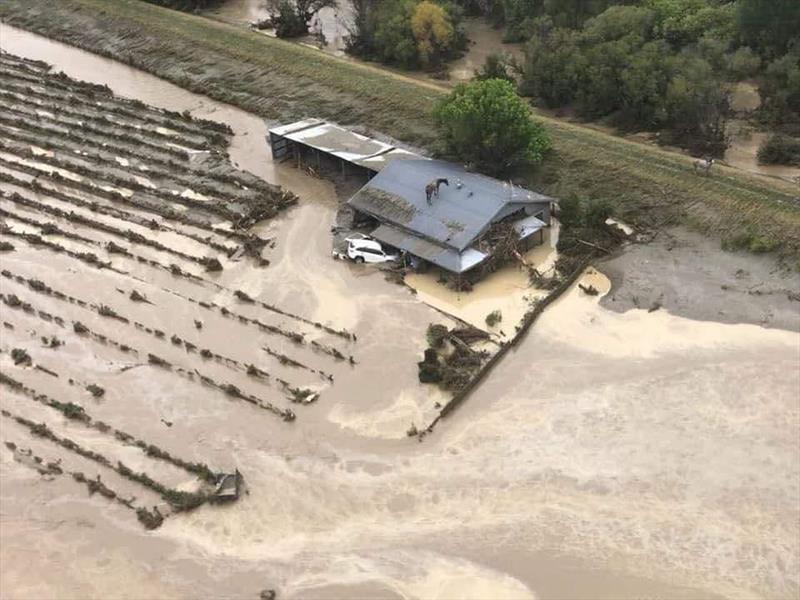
688 275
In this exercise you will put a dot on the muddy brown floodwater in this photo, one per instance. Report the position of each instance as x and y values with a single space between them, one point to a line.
611 455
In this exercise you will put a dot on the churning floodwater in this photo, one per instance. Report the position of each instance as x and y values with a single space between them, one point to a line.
609 456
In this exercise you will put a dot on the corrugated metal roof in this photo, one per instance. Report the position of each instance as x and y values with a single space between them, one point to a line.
442 256
284 130
528 226
463 211
343 143
379 161
339 142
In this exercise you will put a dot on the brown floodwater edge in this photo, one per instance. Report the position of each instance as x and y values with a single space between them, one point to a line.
528 319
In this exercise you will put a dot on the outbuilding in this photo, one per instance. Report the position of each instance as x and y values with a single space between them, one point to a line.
313 142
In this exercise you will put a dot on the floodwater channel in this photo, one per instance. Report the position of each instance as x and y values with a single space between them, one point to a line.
610 455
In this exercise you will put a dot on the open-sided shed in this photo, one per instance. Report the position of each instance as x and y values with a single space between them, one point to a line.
317 139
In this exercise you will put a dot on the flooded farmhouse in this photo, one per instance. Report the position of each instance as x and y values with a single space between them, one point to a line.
432 212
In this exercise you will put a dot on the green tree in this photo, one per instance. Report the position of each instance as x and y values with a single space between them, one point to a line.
433 32
407 33
291 18
394 39
552 66
574 13
489 126
644 80
496 66
780 150
682 22
601 86
744 63
360 39
770 26
780 90
570 211
697 105
516 14
620 22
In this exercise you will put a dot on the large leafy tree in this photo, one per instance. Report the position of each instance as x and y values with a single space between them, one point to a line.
489 126
697 106
408 33
433 32
772 26
394 40
780 90
683 22
291 18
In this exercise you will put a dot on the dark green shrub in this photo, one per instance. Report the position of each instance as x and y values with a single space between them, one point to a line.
493 318
780 150
570 212
596 213
496 66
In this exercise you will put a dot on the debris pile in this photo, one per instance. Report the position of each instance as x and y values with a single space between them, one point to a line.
450 359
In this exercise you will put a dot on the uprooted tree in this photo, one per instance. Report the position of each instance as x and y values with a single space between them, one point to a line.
292 18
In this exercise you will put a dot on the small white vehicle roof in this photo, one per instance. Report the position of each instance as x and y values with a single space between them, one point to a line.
372 244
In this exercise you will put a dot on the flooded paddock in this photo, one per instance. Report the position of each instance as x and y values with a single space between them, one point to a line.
610 455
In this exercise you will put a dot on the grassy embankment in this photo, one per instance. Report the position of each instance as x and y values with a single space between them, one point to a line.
280 80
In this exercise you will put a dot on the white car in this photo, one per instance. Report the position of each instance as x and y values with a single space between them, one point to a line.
363 250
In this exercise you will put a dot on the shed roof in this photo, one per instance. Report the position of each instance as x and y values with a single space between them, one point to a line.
463 211
442 256
528 226
343 143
